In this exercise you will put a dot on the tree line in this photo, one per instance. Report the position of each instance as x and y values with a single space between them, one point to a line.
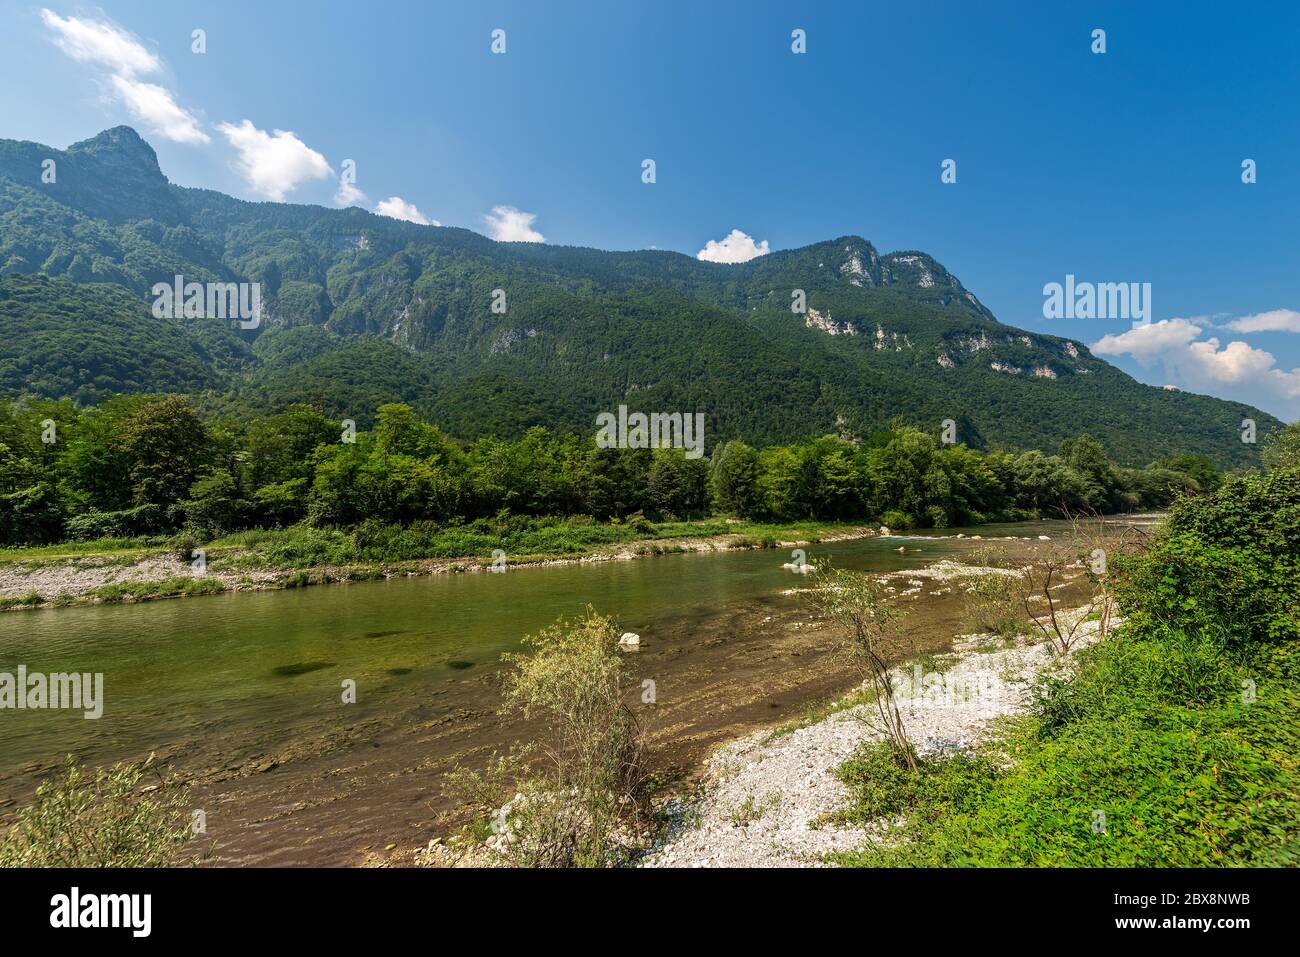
149 465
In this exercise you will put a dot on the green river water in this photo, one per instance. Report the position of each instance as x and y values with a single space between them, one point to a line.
222 680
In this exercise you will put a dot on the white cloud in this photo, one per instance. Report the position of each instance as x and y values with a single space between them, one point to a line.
736 247
94 41
509 225
126 59
1236 369
273 165
347 194
1277 320
156 107
398 208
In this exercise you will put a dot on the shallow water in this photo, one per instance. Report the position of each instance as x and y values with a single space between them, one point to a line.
231 684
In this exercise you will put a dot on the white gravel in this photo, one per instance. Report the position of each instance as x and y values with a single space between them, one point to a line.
765 795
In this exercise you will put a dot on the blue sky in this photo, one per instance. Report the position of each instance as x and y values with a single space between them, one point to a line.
1115 167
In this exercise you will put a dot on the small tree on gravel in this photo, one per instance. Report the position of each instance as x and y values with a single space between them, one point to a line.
586 778
1087 554
859 604
1060 627
994 605
1098 545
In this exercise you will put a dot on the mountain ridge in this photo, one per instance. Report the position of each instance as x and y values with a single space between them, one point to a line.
883 336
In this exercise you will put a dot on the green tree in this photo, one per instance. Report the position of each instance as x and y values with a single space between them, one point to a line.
215 504
733 479
676 485
166 446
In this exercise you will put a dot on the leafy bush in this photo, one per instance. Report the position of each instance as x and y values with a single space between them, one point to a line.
1174 744
125 523
101 819
1232 558
591 777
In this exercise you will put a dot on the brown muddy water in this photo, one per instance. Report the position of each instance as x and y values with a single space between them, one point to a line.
242 693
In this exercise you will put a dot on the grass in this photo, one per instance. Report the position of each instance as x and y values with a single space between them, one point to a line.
817 711
98 547
167 588
1153 733
752 809
522 539
31 599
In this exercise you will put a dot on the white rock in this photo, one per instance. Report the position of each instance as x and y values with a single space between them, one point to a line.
785 782
630 639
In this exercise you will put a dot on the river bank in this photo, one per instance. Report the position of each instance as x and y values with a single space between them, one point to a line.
51 580
240 693
770 799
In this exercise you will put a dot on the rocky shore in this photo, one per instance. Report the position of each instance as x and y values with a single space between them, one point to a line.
767 797
82 579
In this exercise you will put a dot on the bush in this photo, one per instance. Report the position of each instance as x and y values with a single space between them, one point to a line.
995 605
893 519
101 819
183 546
1232 557
128 523
592 778
1173 744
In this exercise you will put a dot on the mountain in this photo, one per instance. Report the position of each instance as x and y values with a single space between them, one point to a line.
361 309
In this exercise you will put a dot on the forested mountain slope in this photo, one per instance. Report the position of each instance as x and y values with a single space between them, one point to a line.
361 309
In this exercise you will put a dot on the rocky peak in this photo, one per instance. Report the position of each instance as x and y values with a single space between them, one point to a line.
120 146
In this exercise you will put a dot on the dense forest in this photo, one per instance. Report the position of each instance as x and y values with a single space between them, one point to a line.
149 465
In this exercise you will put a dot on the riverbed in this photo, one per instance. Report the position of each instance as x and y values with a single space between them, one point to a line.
243 693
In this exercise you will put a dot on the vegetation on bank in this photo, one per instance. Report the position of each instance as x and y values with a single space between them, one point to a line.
108 817
1175 743
580 794
137 469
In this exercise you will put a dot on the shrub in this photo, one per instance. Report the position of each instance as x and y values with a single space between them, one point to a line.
893 519
141 520
1177 732
1229 557
874 640
591 777
995 605
101 819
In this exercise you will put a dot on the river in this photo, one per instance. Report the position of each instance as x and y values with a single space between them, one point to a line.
243 691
